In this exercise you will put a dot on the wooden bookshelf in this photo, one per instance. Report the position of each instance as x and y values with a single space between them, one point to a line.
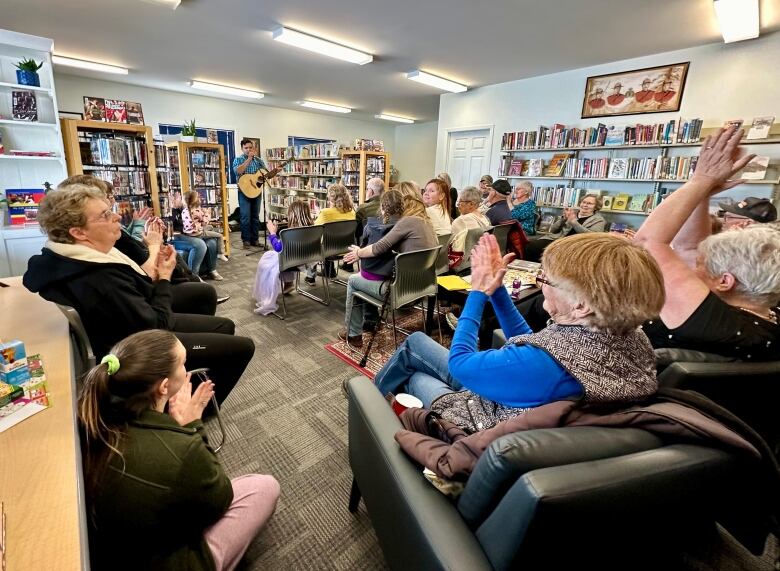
364 171
187 172
74 131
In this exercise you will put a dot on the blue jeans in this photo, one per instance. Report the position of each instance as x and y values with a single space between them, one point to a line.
353 318
250 217
200 251
419 367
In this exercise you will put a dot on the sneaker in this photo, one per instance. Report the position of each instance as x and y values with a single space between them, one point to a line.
310 281
451 320
223 257
214 275
289 287
354 341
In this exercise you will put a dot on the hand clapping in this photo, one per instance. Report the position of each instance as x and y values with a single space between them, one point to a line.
487 265
271 226
720 158
186 406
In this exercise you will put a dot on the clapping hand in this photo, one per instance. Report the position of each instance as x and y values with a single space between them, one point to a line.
570 214
166 262
487 265
186 406
720 158
271 227
144 214
153 234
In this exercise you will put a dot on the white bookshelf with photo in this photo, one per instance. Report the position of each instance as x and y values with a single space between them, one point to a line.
31 151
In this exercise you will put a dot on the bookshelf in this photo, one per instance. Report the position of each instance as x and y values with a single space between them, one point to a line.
19 171
308 177
199 167
645 157
359 166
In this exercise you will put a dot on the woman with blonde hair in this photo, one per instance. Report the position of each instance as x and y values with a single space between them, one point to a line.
158 497
598 290
412 231
436 197
339 205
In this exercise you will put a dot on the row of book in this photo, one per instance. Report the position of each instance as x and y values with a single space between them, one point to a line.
209 196
672 168
118 150
284 200
369 145
563 196
204 158
201 177
295 182
313 151
560 136
375 165
126 182
166 157
332 168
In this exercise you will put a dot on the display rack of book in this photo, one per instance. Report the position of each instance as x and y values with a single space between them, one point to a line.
314 168
602 160
200 167
31 152
360 166
119 154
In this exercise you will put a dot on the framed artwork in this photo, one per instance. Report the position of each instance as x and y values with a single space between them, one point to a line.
648 90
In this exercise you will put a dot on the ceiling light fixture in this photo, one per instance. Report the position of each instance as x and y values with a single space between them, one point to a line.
320 46
393 118
326 107
435 81
84 64
738 19
226 89
172 4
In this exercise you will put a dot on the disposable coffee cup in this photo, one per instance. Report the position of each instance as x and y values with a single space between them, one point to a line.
402 401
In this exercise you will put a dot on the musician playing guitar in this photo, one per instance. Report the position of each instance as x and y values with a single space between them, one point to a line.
249 163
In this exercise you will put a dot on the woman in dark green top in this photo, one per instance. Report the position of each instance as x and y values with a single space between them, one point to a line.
157 495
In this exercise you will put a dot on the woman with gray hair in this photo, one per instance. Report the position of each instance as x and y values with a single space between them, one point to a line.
523 207
470 217
722 290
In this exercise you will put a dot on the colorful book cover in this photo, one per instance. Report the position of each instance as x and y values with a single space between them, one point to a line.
516 167
116 111
618 168
557 164
25 106
620 202
94 109
760 128
535 167
637 203
135 114
606 202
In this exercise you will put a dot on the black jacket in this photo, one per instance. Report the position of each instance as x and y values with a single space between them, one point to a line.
113 300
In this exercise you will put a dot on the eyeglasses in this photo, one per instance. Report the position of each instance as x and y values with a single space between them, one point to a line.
104 216
542 279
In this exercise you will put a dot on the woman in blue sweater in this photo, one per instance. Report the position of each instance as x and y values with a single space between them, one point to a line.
598 289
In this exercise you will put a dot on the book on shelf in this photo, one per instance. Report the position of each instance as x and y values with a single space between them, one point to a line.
516 167
535 167
557 164
618 168
637 203
23 205
760 128
116 111
135 113
615 135
755 169
606 202
24 106
94 108
619 227
620 202
728 123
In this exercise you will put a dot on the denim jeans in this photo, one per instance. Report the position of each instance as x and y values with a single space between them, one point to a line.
420 367
250 217
354 320
195 247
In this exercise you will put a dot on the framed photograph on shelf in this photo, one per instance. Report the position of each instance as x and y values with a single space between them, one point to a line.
649 90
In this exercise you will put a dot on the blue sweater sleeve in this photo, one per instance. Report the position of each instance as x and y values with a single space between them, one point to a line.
276 243
510 319
519 375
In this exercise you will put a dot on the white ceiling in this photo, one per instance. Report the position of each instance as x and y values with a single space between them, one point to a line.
476 43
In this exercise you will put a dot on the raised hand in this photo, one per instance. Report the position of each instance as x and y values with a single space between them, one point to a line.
720 158
166 262
271 226
487 265
186 406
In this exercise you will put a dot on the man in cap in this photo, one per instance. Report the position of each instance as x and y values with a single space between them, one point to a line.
498 210
748 211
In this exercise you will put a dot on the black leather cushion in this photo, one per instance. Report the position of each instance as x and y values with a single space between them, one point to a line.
668 355
514 455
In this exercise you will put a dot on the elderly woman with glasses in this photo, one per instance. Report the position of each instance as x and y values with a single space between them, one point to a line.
523 207
598 289
80 267
470 218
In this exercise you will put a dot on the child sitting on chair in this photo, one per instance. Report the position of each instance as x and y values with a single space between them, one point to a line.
197 222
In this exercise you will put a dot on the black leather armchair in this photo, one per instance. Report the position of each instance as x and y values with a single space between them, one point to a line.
613 497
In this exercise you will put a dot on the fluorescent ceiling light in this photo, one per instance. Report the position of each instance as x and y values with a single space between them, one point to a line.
320 46
226 89
435 81
84 64
326 107
172 4
394 118
738 19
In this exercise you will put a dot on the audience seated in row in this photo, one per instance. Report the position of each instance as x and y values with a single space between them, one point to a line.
202 251
436 197
197 222
156 493
522 206
470 218
339 206
453 192
80 266
370 208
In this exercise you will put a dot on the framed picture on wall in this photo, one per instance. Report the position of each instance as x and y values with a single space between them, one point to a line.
649 90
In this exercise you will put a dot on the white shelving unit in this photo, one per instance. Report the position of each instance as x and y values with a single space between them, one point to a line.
18 244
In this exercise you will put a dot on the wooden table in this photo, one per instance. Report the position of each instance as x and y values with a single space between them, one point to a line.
41 481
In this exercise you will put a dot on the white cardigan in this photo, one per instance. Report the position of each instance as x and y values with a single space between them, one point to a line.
440 219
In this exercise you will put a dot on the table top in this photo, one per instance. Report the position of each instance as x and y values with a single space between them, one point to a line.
41 481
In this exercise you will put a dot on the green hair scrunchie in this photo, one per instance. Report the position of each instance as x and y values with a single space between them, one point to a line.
113 363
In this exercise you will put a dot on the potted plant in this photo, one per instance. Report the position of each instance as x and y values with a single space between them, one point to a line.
188 132
27 72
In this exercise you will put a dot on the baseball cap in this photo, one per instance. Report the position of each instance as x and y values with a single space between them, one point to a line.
486 178
502 187
758 209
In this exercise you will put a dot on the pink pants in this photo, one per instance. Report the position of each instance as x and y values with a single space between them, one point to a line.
254 502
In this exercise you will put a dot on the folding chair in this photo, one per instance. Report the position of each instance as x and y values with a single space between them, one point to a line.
337 237
301 246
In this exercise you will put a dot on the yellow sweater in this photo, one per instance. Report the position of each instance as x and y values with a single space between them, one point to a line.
333 215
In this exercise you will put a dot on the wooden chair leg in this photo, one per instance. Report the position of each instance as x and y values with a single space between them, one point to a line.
354 497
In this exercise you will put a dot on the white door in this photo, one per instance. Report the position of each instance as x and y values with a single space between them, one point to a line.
468 156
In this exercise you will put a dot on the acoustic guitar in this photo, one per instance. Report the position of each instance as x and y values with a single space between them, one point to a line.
252 184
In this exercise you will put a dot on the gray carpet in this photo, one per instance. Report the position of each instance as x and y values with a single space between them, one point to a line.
287 417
